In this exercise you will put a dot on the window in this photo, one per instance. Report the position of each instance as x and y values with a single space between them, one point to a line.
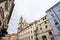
46 26
6 6
35 22
31 37
50 10
36 38
9 0
50 33
52 15
59 10
45 22
1 11
44 37
36 28
40 28
56 23
31 31
40 24
43 19
52 38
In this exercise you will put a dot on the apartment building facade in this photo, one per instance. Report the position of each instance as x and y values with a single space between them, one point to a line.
53 15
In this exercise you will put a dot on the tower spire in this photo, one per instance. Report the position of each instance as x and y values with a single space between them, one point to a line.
22 24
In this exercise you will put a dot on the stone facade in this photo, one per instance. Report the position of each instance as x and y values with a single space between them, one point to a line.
38 30
6 8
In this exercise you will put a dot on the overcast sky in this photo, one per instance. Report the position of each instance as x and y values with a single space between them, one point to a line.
31 10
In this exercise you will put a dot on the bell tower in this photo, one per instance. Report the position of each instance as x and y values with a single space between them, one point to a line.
22 24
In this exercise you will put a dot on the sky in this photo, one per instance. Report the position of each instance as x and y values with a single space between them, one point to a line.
30 10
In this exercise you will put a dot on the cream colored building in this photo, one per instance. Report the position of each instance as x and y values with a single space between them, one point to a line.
13 37
10 37
37 30
45 31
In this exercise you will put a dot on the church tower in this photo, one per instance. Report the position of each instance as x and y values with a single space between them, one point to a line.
22 24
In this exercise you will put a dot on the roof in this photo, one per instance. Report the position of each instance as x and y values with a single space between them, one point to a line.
52 7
